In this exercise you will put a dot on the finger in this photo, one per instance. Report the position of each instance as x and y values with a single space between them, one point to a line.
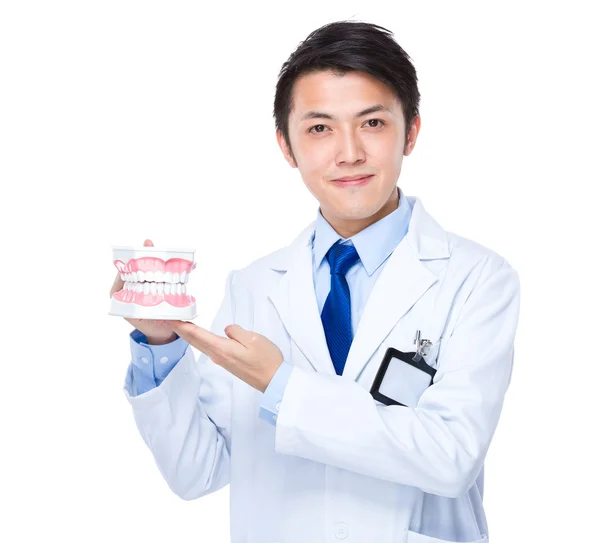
199 337
235 331
117 284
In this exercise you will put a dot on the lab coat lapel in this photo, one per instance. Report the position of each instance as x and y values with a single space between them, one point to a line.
403 280
294 298
401 283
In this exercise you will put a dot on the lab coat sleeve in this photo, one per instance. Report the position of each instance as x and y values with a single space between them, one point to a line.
438 446
186 420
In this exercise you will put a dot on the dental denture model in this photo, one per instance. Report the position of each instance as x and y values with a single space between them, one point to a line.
155 283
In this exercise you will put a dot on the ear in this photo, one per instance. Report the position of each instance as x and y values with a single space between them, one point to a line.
411 141
287 152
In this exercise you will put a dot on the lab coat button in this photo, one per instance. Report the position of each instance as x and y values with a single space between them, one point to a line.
278 406
341 531
164 360
144 360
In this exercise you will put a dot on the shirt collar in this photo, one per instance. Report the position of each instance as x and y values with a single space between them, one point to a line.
374 243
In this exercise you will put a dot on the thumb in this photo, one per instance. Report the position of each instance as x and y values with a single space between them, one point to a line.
235 331
148 243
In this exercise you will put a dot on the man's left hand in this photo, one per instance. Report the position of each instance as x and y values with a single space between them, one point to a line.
247 355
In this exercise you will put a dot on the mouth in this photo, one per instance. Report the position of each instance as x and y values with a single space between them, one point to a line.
357 182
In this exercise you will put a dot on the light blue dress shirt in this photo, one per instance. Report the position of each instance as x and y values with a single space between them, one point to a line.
152 363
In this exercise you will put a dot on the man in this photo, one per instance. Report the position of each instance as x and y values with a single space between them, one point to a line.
309 396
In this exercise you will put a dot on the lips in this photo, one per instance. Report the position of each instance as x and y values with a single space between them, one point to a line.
352 182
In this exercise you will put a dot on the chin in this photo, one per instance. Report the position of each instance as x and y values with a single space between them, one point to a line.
353 211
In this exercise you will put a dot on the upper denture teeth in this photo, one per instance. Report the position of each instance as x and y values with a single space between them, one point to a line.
149 276
140 276
159 276
123 277
176 277
183 277
168 277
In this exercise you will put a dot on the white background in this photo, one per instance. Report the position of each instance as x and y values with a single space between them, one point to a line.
123 120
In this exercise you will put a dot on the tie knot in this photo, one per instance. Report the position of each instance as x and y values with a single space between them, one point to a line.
341 258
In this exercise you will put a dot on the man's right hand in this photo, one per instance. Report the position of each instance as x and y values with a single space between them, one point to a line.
156 331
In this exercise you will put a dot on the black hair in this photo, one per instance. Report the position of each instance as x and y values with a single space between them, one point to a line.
345 46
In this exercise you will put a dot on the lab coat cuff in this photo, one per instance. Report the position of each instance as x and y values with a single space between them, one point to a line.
139 391
143 402
297 391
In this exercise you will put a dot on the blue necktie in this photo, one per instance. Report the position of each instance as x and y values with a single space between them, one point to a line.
336 314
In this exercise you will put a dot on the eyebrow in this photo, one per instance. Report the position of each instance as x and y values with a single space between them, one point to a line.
321 115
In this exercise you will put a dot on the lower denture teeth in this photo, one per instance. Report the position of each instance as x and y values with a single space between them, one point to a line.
178 287
167 288
153 288
161 288
146 288
139 287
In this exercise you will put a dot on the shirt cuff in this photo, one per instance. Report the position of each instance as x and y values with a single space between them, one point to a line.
154 362
271 400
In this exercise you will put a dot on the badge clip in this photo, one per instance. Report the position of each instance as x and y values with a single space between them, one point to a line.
423 346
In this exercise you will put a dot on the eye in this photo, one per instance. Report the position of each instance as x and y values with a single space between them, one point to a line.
377 120
310 130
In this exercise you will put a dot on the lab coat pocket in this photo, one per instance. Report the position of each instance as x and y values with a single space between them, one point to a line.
414 537
405 383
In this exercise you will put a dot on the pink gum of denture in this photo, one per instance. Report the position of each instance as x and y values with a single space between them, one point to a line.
153 264
148 300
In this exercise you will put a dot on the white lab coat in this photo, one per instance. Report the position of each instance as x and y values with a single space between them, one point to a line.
339 465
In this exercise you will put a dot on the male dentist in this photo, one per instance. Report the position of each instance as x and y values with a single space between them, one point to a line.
352 381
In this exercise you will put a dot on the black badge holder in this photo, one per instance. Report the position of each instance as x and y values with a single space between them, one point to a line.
411 358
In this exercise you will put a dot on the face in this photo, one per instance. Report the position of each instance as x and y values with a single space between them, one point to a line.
329 141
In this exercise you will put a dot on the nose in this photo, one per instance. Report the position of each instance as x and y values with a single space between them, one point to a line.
350 149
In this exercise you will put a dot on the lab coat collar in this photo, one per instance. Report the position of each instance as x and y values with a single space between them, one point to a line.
387 231
293 295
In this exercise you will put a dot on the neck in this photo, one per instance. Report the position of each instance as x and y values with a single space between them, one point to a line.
347 229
